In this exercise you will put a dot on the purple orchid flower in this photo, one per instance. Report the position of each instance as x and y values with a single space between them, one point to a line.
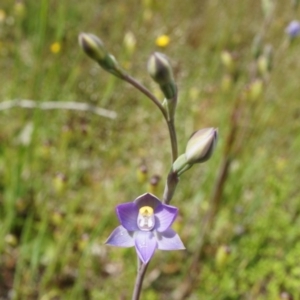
145 224
293 29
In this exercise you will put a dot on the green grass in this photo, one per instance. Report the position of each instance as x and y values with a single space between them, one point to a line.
58 190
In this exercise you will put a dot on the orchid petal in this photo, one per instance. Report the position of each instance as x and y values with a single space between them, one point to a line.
169 240
147 200
120 237
145 244
164 217
128 214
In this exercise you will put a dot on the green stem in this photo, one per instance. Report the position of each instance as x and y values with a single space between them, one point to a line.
170 122
146 92
139 280
170 187
173 138
172 177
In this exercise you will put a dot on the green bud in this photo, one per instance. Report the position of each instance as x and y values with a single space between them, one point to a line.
11 240
228 61
226 83
95 49
142 173
255 89
160 70
268 7
222 256
154 184
201 145
198 150
129 42
262 65
265 61
92 46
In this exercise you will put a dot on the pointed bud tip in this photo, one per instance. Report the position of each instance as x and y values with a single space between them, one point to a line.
92 46
95 49
161 72
201 145
159 68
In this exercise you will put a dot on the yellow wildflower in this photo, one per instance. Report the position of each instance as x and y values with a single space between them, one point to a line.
55 47
162 41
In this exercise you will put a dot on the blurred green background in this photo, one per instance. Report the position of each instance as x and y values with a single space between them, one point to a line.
62 172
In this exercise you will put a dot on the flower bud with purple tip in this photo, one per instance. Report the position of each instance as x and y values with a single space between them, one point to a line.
95 49
201 145
198 150
160 70
92 46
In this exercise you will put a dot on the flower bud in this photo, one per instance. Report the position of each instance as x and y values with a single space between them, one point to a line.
262 65
201 145
255 89
222 256
129 42
11 240
226 83
92 46
95 49
153 184
228 61
268 7
265 61
160 70
59 183
142 173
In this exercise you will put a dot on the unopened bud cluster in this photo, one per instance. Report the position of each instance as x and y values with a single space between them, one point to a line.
202 143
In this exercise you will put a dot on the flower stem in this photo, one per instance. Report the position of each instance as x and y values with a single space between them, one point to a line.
139 280
170 122
172 179
146 92
170 187
173 138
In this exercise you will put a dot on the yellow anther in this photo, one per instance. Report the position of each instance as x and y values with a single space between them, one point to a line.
146 211
146 218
